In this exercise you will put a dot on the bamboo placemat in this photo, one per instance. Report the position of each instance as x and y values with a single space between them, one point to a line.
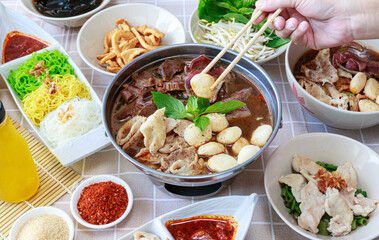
55 181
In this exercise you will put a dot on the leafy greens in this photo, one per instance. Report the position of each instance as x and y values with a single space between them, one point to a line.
240 10
194 109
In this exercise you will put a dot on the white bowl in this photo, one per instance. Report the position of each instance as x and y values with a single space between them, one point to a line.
91 35
38 211
195 29
74 21
97 179
330 148
330 115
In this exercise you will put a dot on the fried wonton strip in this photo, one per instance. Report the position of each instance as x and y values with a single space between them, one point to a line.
116 40
108 40
113 69
152 31
120 62
130 54
109 56
112 63
142 41
129 44
148 40
122 24
141 29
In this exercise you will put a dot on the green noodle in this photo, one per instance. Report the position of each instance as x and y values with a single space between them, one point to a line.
55 63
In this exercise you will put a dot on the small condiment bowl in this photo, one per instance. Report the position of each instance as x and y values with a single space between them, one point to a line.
97 179
38 211
74 21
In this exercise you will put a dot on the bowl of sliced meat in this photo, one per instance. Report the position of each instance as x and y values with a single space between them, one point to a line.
158 123
322 185
340 85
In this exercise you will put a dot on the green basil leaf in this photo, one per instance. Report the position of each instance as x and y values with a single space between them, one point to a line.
202 104
191 104
224 107
227 6
246 10
201 122
277 42
238 17
174 107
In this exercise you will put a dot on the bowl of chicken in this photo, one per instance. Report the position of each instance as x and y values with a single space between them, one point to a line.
323 186
340 85
157 122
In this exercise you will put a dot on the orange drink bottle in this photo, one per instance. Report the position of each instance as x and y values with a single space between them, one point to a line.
18 175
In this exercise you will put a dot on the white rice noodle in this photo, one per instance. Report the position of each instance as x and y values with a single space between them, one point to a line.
70 120
223 32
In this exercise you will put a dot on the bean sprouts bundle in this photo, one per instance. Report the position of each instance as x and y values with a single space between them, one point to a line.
71 119
30 75
222 32
51 94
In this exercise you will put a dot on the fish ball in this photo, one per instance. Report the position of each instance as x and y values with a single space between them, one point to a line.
372 88
201 84
195 137
237 146
366 105
260 135
358 83
210 149
247 152
221 162
217 121
229 135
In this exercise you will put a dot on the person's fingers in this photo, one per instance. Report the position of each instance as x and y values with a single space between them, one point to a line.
272 5
260 18
300 36
290 27
278 24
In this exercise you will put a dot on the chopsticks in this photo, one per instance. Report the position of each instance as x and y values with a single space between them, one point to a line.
247 47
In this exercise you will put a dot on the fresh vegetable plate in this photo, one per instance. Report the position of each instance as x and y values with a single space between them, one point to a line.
240 207
196 30
80 146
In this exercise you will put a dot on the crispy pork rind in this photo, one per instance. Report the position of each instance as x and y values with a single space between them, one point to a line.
125 43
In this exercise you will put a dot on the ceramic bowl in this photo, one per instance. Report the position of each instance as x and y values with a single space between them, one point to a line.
38 211
74 21
196 30
97 179
329 148
91 36
330 115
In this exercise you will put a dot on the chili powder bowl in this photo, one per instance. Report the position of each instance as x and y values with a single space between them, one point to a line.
99 179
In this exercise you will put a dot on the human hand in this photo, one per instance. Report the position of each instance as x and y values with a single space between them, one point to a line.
315 24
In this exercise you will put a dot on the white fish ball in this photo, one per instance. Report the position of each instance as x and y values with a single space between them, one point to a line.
229 135
260 135
195 137
217 121
221 162
201 84
210 149
247 152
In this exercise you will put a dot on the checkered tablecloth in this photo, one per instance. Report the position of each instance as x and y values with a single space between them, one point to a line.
149 200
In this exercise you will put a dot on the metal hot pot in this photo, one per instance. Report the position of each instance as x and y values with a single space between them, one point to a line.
203 185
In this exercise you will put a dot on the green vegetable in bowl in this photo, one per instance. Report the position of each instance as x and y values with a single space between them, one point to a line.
240 11
194 109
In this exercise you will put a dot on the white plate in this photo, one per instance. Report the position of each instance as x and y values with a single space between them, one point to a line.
195 29
101 178
90 41
240 207
38 211
81 146
330 148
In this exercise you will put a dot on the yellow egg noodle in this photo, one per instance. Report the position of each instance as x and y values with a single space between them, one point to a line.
71 119
51 94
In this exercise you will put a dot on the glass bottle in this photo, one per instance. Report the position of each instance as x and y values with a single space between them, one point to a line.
18 174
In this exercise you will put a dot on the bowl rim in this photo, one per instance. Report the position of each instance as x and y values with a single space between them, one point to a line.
227 172
327 106
83 15
278 51
39 211
98 179
78 45
296 138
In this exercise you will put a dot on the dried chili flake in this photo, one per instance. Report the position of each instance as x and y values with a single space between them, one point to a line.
332 180
102 203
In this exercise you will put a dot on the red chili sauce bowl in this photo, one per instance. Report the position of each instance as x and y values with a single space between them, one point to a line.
101 201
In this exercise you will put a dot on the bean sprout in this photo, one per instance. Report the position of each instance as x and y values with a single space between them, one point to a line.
224 31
